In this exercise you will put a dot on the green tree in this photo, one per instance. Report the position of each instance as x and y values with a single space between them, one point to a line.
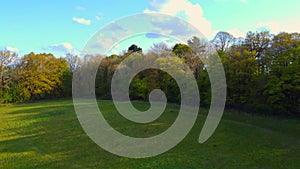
104 76
190 58
258 43
283 87
241 69
135 48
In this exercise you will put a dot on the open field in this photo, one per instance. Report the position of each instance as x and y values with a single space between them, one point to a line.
48 135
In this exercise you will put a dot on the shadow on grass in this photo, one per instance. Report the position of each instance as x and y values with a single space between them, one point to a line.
48 135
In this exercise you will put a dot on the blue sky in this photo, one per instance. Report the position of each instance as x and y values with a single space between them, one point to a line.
62 26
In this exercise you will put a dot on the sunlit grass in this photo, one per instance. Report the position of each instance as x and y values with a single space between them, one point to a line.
48 135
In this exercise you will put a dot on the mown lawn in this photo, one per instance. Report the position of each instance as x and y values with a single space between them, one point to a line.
48 135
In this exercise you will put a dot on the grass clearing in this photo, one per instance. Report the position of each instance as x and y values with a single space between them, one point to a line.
48 135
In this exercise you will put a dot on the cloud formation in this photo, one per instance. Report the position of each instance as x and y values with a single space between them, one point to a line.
236 33
64 48
276 27
193 13
80 8
12 49
82 21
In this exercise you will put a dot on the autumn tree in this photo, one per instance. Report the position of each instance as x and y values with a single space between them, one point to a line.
40 75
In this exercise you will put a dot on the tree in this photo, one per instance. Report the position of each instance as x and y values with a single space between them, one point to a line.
135 48
282 89
223 40
240 69
182 50
73 62
160 50
192 60
7 58
283 42
41 75
197 45
104 76
258 42
167 82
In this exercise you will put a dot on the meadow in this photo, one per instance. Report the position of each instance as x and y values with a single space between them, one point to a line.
47 134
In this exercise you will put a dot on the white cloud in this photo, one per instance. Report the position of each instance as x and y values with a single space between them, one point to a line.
276 27
193 13
12 49
236 33
105 43
244 1
64 47
80 8
82 21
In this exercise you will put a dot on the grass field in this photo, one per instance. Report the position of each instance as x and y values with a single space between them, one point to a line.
48 135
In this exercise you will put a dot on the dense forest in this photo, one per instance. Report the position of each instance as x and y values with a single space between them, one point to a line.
262 72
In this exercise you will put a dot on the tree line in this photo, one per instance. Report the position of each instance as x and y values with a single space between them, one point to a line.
262 72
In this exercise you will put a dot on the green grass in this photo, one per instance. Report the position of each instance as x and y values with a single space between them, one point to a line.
48 135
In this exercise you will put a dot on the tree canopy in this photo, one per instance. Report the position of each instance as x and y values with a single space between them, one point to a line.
262 72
